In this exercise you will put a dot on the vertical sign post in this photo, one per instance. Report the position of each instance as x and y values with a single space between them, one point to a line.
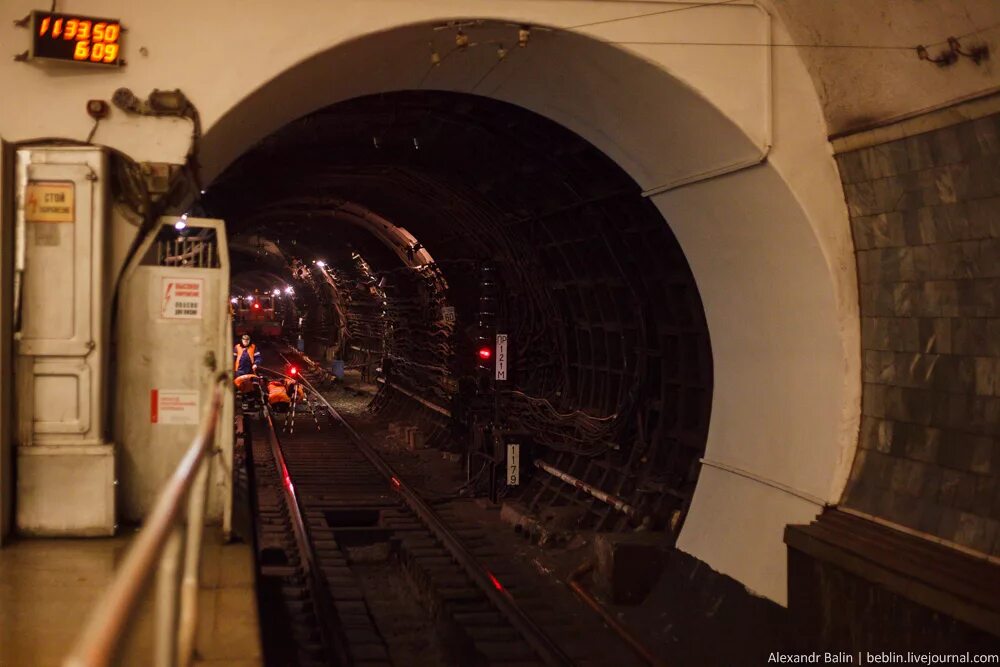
501 359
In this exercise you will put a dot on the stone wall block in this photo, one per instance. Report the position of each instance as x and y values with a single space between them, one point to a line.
883 437
944 261
970 259
866 260
961 181
870 365
946 190
850 167
869 294
861 199
867 438
971 336
893 407
933 335
922 443
920 261
951 223
918 151
975 532
982 213
988 256
885 265
906 299
904 333
911 227
959 412
987 135
875 162
889 193
926 225
869 334
987 375
986 491
993 336
985 297
946 146
983 460
907 478
873 400
968 141
948 524
862 232
917 405
987 415
941 298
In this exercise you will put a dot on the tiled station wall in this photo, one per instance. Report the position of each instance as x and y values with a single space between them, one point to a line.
925 215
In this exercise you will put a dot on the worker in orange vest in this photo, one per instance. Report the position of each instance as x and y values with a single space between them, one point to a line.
245 357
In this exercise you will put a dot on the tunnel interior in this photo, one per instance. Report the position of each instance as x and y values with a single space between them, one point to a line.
402 231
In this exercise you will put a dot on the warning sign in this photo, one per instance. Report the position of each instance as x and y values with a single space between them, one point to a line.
174 406
181 298
49 201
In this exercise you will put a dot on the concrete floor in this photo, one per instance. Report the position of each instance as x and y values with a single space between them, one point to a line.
49 586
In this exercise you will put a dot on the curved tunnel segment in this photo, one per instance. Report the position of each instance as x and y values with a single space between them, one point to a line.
413 226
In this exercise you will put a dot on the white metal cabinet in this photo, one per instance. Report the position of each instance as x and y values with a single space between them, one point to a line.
66 467
173 340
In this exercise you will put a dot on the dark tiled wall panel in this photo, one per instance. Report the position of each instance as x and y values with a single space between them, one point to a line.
925 214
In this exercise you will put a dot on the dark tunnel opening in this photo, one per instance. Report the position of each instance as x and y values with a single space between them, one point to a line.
402 231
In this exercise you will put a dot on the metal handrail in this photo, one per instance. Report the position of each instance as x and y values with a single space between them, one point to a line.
161 543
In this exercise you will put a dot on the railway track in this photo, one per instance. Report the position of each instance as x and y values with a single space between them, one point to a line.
331 513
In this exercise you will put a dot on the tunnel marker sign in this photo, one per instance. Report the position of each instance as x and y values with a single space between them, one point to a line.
501 357
174 406
49 201
513 464
181 298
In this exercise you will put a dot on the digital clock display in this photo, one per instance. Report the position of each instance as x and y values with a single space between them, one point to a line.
72 38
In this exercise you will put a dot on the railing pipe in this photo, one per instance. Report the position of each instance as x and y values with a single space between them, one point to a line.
164 637
102 635
192 563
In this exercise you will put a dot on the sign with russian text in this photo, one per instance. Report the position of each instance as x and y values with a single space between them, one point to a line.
182 298
49 201
174 406
501 357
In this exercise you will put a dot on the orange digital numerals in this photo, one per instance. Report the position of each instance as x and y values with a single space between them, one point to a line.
96 42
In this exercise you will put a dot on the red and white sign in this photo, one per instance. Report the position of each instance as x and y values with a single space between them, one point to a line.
181 298
174 406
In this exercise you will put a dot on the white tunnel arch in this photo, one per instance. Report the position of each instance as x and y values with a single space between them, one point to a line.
776 289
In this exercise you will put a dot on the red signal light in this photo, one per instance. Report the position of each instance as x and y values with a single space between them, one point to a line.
485 353
293 370
256 306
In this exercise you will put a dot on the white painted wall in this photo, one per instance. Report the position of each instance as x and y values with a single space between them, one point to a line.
867 82
769 246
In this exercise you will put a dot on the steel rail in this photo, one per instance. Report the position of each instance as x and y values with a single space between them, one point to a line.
103 634
550 653
575 583
298 524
